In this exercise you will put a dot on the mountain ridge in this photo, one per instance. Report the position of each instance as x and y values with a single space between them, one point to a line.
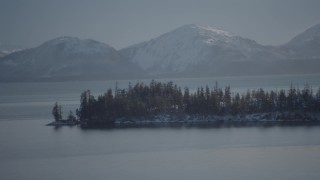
305 44
187 51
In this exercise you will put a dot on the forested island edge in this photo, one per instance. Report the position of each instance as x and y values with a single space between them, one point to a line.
165 103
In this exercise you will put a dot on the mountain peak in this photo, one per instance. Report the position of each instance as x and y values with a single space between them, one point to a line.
71 40
66 58
307 36
306 44
206 29
76 45
202 31
189 45
62 39
65 38
206 34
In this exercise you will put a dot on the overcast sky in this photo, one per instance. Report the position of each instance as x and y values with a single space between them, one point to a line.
120 23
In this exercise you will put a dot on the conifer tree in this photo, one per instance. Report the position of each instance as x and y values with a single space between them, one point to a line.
57 112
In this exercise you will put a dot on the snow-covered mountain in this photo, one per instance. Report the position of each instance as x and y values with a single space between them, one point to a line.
66 58
304 45
196 48
188 51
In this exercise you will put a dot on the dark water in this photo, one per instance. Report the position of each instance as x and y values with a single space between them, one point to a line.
29 150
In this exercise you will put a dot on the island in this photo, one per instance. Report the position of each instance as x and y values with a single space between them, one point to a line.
166 103
59 121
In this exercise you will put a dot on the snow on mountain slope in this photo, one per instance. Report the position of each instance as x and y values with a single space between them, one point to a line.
66 58
188 51
189 45
6 49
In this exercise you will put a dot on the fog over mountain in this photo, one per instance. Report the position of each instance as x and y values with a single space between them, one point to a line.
188 51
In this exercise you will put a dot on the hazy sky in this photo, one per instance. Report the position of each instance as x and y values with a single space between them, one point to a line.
120 23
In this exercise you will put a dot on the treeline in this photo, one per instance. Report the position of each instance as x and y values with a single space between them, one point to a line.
141 101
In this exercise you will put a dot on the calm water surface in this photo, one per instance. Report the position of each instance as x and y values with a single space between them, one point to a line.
29 101
29 150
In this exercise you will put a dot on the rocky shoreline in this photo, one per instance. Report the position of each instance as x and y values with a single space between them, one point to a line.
256 119
167 119
63 123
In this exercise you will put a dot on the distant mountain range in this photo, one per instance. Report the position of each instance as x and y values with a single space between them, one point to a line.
188 51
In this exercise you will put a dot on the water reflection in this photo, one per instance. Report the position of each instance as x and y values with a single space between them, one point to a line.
232 152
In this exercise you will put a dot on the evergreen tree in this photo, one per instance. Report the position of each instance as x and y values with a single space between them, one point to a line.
291 99
144 101
227 99
57 112
307 98
236 104
186 100
282 101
